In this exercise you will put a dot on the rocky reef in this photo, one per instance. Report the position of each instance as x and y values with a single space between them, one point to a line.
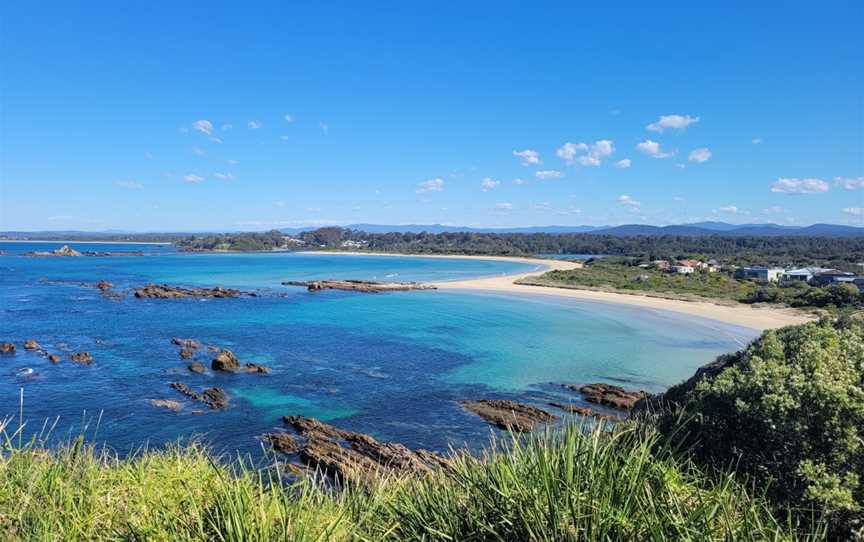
609 395
215 398
226 361
165 291
69 252
365 286
509 415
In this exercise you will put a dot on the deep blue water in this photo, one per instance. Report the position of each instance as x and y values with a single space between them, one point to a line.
392 365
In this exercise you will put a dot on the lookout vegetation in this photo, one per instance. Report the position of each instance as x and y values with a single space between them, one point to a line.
763 444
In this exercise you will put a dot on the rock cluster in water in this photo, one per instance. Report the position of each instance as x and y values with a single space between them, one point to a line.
226 361
609 395
365 286
509 415
165 291
348 456
69 252
215 398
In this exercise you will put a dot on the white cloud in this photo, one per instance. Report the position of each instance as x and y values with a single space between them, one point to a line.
226 127
504 207
130 185
519 181
432 185
729 210
624 199
756 141
253 124
700 155
652 148
624 164
224 176
488 183
799 186
774 210
542 206
857 211
192 178
528 157
593 152
548 174
850 183
203 126
325 129
681 166
198 151
216 140
679 199
233 162
289 118
672 122
284 138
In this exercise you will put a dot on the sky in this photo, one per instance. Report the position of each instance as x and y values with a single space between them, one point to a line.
182 116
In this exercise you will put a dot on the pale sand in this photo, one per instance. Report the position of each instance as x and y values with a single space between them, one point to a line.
759 318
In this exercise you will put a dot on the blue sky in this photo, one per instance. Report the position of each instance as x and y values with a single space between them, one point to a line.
172 115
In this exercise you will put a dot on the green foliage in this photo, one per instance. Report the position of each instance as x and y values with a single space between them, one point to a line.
788 411
242 242
576 484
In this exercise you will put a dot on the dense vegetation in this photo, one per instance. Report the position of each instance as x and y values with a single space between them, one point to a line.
625 274
567 486
788 413
842 253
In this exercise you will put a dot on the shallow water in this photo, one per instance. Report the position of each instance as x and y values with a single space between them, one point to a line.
392 365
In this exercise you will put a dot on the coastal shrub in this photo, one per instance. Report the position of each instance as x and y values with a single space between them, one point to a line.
788 412
576 484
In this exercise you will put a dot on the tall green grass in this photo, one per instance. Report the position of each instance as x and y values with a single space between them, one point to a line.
576 483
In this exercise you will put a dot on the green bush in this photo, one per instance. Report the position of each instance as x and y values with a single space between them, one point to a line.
788 412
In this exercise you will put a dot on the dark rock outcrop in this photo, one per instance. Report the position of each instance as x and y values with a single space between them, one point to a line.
365 286
65 250
31 344
84 358
215 398
164 291
282 442
104 285
583 411
7 348
609 395
54 358
356 457
509 415
186 353
226 361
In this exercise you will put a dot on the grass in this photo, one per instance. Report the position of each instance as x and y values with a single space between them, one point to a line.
575 483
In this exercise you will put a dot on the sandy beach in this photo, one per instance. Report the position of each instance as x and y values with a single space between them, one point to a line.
759 318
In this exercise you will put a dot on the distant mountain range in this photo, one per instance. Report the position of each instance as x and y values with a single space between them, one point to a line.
695 229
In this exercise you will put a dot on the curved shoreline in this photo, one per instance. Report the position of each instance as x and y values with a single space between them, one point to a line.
758 318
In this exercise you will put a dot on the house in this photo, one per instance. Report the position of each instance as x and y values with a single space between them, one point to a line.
832 276
765 274
661 264
695 264
805 274
682 269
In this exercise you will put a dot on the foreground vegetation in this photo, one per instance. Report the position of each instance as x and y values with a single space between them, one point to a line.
624 484
763 444
626 275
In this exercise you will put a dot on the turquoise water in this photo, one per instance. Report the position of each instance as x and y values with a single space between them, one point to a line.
392 365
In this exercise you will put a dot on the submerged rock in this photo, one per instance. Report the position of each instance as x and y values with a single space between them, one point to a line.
509 415
356 457
54 358
84 358
104 285
7 348
170 404
609 395
31 344
191 344
215 398
186 353
196 367
164 291
359 285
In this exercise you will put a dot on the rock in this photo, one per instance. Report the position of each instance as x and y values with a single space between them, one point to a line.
104 285
196 367
215 398
186 353
225 360
191 344
31 344
282 442
170 404
54 358
509 415
212 349
84 358
7 348
583 411
609 395
359 285
164 291
356 457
